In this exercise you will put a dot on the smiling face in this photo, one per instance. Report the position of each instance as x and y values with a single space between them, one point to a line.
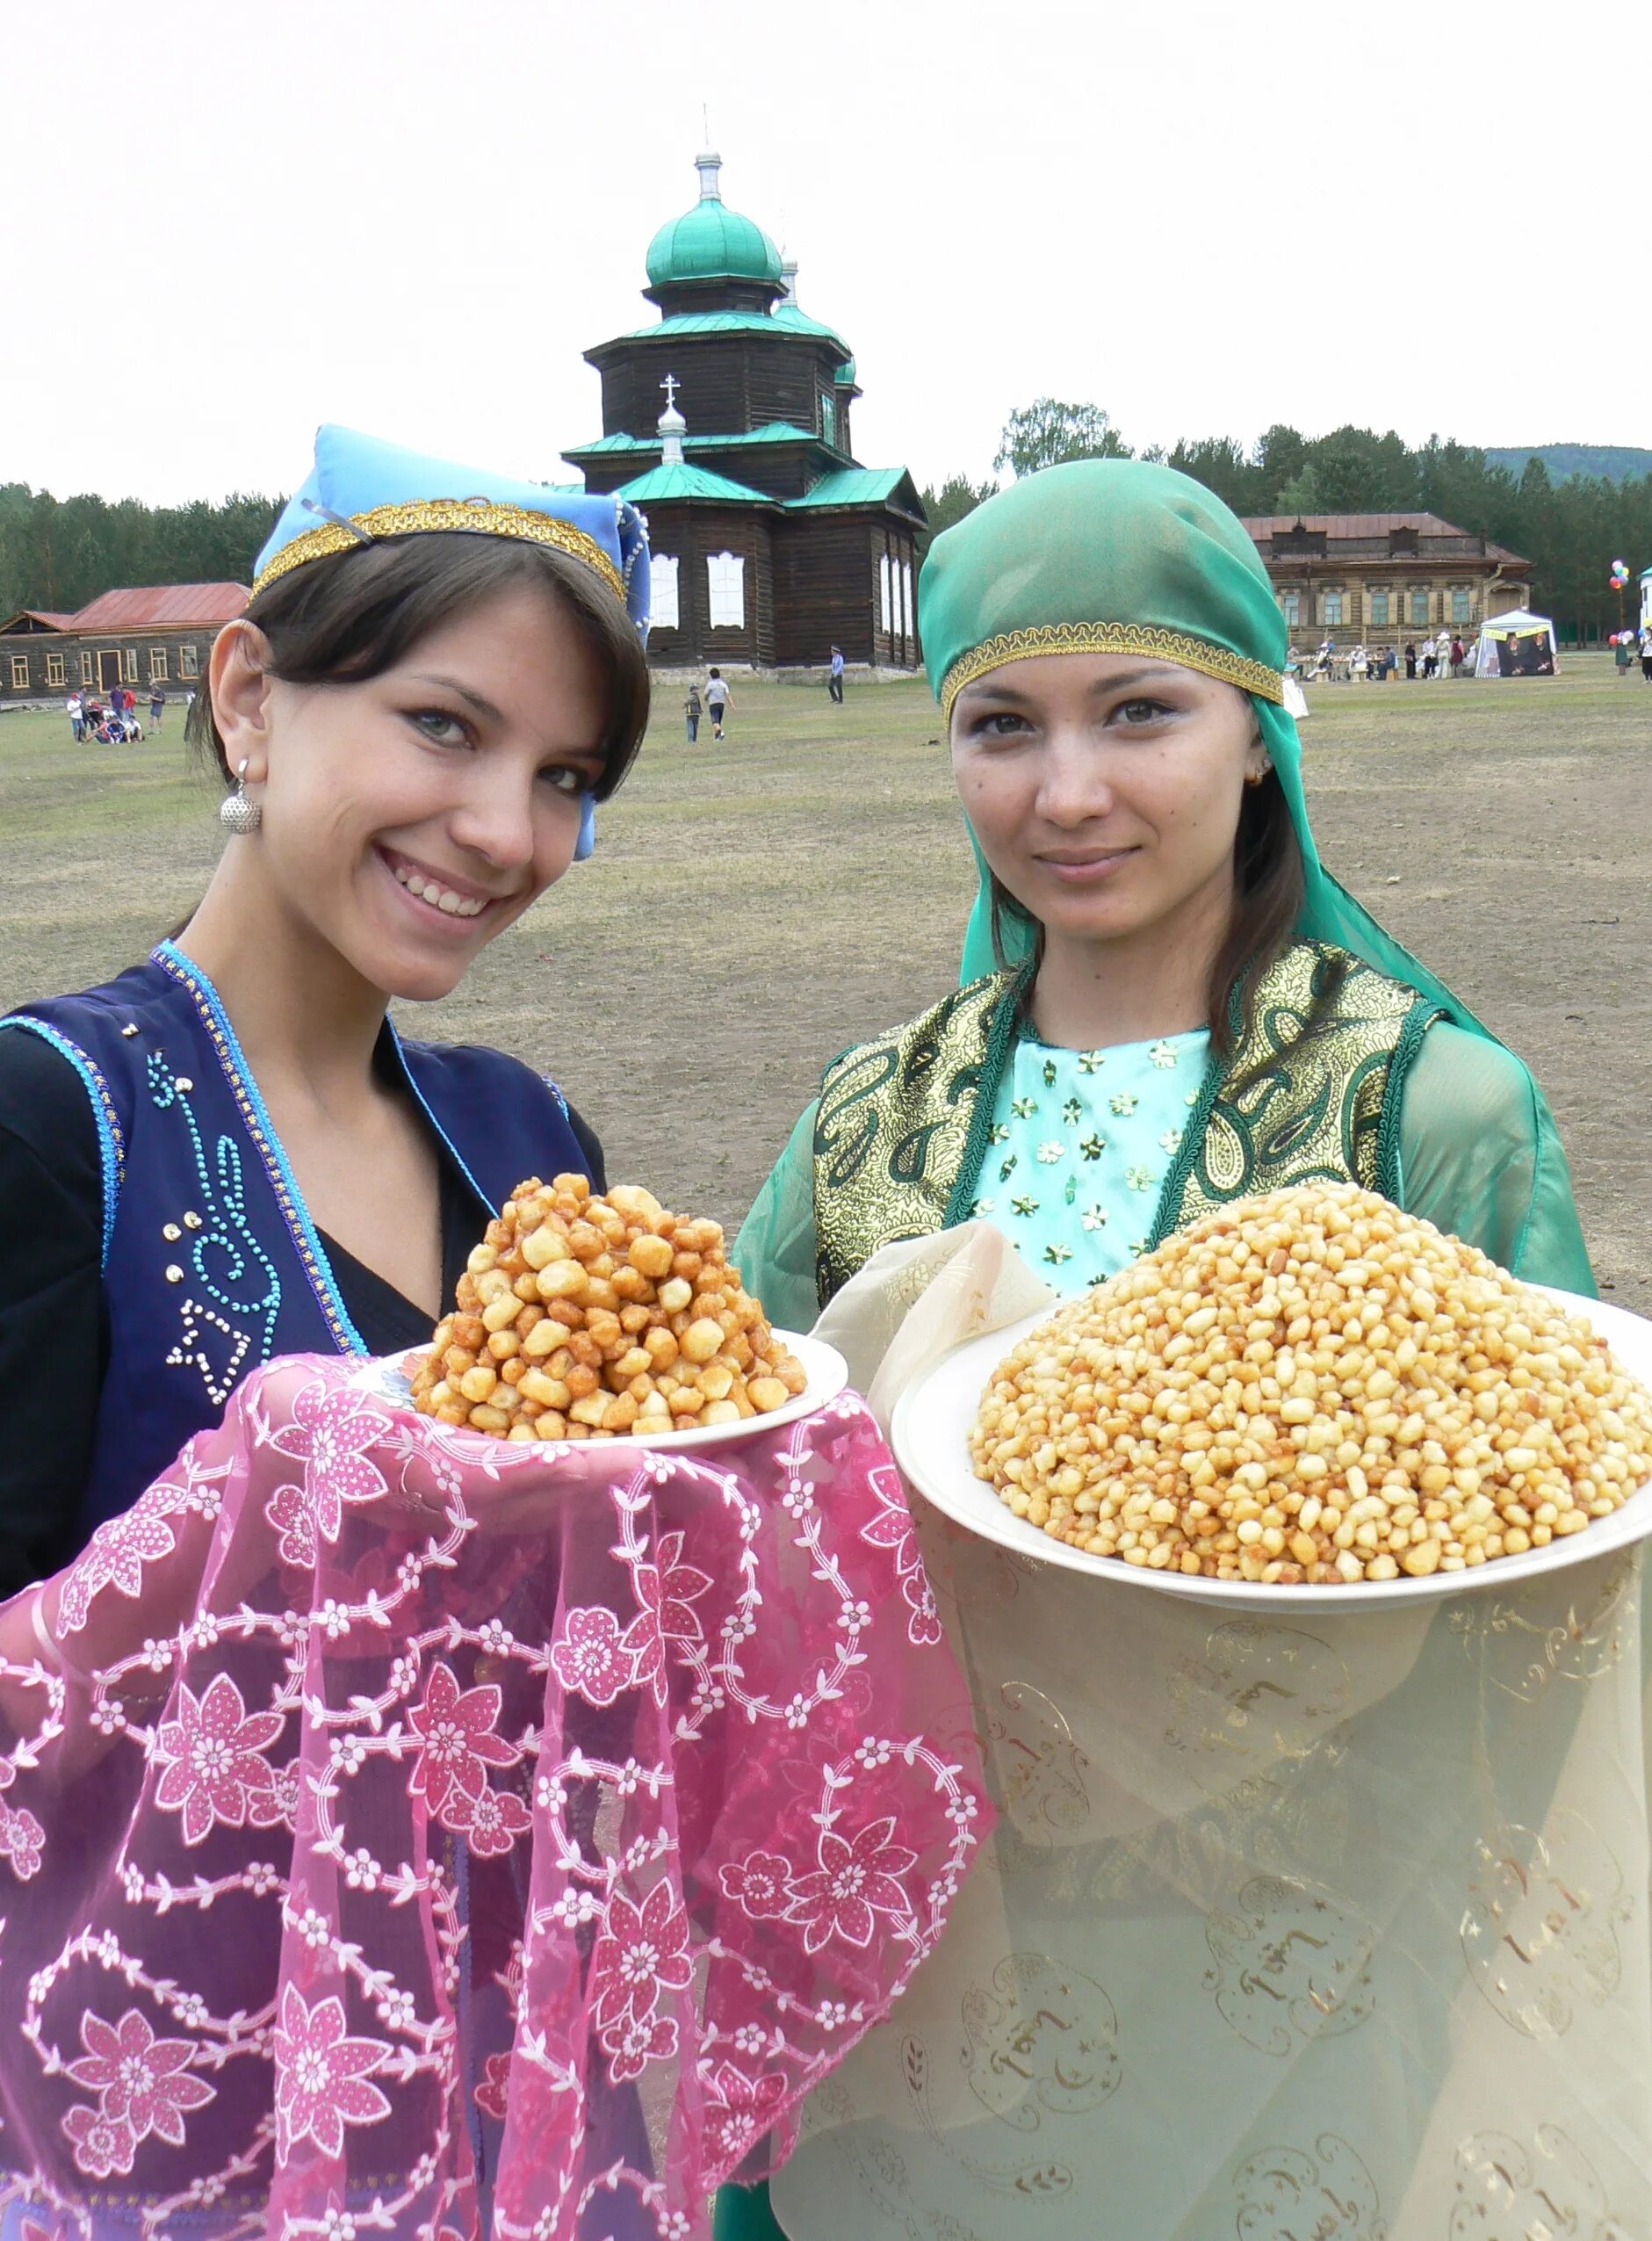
1105 791
410 817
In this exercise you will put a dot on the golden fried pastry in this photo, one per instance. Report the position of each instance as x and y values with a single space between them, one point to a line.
593 1318
1313 1387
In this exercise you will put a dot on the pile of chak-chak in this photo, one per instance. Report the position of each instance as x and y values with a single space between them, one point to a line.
584 1318
1313 1387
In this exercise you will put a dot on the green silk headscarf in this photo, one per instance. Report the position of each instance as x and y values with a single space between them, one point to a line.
1120 556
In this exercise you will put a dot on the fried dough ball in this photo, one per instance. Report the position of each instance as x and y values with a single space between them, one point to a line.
580 1317
1312 1387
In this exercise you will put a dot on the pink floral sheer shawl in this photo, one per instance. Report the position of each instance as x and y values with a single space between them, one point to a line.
403 1833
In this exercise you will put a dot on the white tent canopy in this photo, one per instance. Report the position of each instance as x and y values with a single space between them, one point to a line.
1514 643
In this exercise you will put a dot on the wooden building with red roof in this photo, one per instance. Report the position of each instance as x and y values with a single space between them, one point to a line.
150 634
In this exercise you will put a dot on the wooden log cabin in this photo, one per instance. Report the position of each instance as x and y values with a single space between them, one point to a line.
770 543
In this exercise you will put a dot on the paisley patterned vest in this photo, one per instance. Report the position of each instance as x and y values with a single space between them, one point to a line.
902 1128
211 1261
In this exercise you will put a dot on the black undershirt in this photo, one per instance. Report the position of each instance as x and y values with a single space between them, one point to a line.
54 1327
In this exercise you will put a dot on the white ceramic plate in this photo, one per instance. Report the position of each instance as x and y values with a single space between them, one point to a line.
931 1438
828 1375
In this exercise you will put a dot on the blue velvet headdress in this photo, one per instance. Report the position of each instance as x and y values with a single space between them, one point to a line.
361 490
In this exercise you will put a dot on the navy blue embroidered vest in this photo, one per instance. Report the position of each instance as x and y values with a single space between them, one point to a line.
211 1261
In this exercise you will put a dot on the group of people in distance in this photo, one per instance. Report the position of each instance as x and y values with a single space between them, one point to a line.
117 724
1153 934
1445 657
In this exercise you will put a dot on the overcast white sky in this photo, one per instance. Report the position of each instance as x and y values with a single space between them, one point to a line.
227 223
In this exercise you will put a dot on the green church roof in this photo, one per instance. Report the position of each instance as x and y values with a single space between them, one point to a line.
711 242
772 431
853 486
681 480
735 323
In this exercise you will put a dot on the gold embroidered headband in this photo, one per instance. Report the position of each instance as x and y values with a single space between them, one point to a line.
1111 637
480 516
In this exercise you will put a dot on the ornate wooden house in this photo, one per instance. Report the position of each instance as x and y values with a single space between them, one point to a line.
770 544
1385 578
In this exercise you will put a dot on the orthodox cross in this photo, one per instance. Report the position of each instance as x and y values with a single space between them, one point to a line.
671 385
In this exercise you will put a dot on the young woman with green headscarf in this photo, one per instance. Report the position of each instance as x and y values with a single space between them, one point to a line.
1166 1003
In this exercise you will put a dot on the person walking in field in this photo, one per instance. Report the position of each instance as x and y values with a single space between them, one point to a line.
1646 655
834 678
76 711
692 711
719 699
157 705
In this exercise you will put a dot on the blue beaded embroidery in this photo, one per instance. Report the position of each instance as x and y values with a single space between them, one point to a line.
256 1121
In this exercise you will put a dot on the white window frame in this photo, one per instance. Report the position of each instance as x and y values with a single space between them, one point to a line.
128 665
885 601
19 662
725 587
188 661
663 592
1291 604
87 668
906 615
1326 598
54 669
157 663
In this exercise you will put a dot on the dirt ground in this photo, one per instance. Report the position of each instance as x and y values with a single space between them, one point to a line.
756 906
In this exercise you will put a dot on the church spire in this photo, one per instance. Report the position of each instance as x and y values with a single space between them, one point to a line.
709 164
671 425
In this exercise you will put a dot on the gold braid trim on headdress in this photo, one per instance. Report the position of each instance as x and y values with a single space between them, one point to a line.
479 516
1110 638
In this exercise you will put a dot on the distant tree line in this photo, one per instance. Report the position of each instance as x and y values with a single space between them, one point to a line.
1571 530
60 553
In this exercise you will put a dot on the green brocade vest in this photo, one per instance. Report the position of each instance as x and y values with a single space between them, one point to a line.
902 1129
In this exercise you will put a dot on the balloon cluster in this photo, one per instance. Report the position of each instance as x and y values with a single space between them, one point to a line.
1619 575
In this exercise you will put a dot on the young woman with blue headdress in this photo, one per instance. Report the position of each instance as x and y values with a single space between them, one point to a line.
228 1153
1166 1004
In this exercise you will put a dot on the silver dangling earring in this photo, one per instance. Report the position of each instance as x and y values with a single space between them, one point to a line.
236 813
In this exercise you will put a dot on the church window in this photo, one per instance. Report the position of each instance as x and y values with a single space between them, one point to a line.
829 419
884 602
188 662
1292 603
1333 605
1419 608
726 574
1379 609
20 671
54 669
1460 605
662 590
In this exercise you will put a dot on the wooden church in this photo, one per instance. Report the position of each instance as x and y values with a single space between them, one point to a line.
770 544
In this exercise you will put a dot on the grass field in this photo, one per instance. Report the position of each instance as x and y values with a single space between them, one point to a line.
755 907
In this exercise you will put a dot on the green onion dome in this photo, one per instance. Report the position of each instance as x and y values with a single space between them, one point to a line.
711 242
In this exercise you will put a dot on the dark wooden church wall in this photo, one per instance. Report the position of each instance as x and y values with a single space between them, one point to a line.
728 384
825 587
692 534
896 647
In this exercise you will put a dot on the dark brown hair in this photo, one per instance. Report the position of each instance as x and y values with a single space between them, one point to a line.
354 615
1270 886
